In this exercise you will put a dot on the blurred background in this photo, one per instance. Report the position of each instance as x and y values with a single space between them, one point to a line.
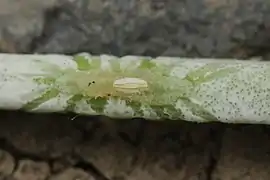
204 28
52 147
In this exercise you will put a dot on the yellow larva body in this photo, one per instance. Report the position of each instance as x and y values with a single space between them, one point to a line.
130 85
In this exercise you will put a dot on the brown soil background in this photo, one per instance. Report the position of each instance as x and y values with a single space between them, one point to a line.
53 147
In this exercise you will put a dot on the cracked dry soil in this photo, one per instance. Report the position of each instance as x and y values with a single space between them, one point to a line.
52 147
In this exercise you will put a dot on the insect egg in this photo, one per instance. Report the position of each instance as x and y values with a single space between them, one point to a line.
130 85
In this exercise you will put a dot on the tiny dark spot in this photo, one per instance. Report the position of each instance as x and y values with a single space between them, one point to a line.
93 82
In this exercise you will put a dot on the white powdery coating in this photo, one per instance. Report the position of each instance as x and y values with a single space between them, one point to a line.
187 113
118 109
130 62
185 68
241 97
105 61
126 62
82 107
56 104
149 113
16 85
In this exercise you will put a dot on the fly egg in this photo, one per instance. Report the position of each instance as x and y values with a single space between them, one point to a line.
130 85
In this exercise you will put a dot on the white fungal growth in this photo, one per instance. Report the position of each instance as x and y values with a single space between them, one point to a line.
130 85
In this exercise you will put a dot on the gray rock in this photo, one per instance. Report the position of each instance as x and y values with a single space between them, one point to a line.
72 174
47 136
21 22
7 163
151 150
244 154
31 170
130 149
205 28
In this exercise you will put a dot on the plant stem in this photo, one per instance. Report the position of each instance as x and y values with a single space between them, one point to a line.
199 90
